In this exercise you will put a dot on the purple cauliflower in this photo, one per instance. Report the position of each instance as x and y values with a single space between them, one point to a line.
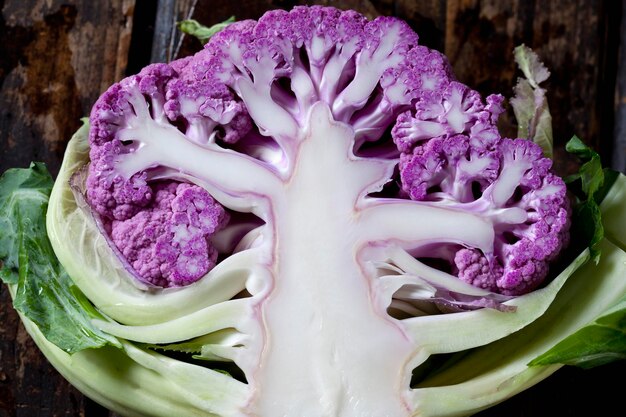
453 155
167 242
241 106
163 229
324 191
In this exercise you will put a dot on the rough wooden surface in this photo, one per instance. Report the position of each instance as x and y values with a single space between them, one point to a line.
57 56
55 59
619 133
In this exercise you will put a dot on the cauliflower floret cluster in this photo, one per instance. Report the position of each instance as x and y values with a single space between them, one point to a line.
453 155
251 91
167 243
161 228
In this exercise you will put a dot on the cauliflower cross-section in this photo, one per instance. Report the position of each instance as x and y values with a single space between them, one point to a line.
309 181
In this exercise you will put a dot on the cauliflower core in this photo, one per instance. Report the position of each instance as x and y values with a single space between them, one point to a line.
288 118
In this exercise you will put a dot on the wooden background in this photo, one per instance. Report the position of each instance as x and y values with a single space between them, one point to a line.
57 56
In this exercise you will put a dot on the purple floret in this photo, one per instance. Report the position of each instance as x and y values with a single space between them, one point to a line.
452 110
304 26
253 57
453 155
448 167
140 215
109 194
252 81
168 244
475 269
165 92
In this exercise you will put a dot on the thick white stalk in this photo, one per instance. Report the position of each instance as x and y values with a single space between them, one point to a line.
370 67
412 222
225 315
164 145
331 350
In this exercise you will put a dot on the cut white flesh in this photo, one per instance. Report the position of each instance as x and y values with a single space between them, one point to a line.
330 343
329 347
326 340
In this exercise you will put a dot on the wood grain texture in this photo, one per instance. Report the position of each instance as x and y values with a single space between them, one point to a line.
57 56
619 133
575 39
166 35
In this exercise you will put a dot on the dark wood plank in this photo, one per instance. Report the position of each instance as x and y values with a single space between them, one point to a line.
166 36
56 57
427 18
573 38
